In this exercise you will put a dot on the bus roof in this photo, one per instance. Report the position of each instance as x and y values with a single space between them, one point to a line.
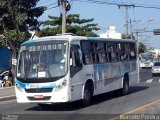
72 38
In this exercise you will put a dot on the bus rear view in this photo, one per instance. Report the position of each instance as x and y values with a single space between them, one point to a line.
42 69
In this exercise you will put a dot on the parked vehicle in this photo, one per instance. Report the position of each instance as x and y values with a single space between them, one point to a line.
6 79
156 68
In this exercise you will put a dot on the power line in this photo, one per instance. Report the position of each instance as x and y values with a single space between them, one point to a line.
117 3
51 4
52 7
55 3
42 2
152 7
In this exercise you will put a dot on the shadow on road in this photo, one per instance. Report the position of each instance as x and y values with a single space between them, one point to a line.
116 94
135 89
96 100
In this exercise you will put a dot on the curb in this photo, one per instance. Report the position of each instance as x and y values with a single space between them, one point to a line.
5 98
2 88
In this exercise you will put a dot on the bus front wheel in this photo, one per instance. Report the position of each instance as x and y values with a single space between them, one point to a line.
87 96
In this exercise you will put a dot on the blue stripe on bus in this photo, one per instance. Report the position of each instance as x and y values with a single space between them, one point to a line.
29 41
23 85
49 87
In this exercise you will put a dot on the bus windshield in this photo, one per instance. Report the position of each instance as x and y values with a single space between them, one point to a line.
42 60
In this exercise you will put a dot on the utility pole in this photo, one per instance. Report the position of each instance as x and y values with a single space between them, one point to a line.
126 18
131 29
137 50
126 25
63 5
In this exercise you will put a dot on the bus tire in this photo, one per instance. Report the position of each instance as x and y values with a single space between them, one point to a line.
125 88
87 96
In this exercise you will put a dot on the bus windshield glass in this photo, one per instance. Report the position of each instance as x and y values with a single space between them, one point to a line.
42 60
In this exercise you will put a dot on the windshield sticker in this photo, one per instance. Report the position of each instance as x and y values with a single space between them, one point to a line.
41 74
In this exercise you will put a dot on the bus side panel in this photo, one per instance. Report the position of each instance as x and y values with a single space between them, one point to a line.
125 67
78 81
130 67
107 77
134 72
100 73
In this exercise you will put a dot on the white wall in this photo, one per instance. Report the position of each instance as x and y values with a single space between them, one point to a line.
111 33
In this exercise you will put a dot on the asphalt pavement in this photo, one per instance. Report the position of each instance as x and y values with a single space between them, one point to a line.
7 93
142 100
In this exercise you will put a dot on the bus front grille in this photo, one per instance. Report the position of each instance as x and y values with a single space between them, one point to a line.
38 90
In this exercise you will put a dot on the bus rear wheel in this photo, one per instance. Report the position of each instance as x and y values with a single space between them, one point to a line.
87 96
125 89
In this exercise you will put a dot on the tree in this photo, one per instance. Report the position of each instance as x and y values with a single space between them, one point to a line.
142 48
16 18
75 25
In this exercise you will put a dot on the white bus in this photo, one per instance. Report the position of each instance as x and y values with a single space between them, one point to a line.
67 68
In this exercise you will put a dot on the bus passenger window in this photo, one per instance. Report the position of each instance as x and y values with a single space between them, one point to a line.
76 56
87 52
123 53
75 60
132 51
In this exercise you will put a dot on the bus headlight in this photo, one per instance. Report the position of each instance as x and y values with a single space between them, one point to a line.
64 83
61 85
19 87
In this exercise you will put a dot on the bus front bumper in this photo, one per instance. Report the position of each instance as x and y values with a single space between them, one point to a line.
54 96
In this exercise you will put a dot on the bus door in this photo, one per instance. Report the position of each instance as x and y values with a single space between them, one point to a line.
75 72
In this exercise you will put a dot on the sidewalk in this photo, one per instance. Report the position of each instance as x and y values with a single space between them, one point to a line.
7 94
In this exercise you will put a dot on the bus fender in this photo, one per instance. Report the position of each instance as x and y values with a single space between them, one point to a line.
88 82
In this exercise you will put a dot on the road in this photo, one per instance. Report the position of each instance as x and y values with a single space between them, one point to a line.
143 98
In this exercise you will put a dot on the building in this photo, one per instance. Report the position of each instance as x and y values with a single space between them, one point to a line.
111 33
157 53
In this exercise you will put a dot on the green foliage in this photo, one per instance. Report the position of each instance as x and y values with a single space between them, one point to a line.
2 42
142 48
75 25
18 16
17 37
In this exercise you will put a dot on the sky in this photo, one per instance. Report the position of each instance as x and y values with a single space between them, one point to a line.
105 15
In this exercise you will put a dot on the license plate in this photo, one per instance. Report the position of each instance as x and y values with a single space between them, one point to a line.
38 96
